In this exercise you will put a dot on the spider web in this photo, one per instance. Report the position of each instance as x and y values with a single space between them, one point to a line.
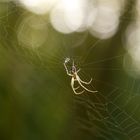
113 112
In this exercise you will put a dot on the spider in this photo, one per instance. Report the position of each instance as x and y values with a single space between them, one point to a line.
75 77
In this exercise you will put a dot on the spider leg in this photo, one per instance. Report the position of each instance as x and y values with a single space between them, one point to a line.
67 70
87 83
73 63
78 79
73 84
78 70
74 89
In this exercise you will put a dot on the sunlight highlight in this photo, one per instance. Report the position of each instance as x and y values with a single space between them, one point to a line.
38 6
67 16
133 44
132 40
100 18
107 20
32 32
